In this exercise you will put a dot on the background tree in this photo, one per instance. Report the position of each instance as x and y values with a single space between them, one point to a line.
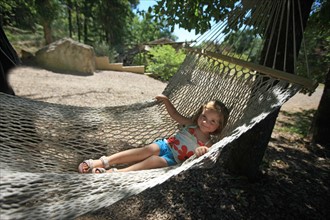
69 9
317 38
115 18
111 27
47 11
192 15
144 29
318 34
12 12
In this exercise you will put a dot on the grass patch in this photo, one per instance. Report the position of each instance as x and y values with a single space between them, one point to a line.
27 40
298 123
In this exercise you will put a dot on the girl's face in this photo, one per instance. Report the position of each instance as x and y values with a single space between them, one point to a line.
209 120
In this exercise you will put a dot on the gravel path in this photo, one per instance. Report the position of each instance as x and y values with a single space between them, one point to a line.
104 88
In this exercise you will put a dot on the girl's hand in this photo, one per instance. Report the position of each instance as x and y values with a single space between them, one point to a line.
162 98
201 151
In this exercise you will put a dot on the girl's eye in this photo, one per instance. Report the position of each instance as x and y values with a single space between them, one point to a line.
214 123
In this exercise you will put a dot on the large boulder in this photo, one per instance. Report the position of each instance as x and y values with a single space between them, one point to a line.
67 55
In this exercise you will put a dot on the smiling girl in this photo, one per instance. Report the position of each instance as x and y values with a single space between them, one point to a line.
193 138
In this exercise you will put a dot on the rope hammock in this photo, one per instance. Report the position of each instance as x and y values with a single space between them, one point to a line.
41 144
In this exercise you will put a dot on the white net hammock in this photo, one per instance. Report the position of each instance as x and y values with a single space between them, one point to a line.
41 144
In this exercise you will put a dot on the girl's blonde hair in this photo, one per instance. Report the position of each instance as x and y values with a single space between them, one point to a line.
217 106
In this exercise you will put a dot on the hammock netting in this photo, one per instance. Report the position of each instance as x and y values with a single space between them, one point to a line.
42 144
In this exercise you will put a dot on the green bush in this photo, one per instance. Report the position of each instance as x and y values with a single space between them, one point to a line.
139 59
102 49
164 61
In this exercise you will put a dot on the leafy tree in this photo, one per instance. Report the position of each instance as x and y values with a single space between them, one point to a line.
317 38
26 14
47 11
109 26
115 17
144 29
18 13
189 14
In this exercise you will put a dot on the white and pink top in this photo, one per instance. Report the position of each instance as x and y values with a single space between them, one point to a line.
184 143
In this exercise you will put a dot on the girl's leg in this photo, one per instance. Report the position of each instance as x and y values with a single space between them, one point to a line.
151 162
134 155
127 156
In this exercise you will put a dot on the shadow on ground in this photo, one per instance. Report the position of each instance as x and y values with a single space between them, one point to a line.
294 185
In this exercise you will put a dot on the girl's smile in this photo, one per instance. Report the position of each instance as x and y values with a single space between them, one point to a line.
209 121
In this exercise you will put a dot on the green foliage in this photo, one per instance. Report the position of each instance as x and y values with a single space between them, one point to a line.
187 14
25 39
164 61
110 26
317 43
139 59
144 29
115 18
199 15
18 13
47 10
103 49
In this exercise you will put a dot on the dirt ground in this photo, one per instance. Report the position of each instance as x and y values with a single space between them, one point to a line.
104 88
109 88
295 175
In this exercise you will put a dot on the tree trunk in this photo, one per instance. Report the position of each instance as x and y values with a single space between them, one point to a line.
321 128
47 32
244 155
86 23
70 17
78 22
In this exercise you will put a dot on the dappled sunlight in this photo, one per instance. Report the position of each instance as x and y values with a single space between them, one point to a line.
293 183
296 123
279 164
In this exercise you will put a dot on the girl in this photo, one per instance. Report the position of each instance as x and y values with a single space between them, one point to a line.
193 138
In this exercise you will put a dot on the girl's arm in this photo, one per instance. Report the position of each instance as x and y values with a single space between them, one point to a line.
180 119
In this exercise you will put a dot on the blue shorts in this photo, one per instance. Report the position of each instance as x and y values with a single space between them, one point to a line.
165 152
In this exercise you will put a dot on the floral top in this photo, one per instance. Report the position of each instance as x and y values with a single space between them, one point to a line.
184 143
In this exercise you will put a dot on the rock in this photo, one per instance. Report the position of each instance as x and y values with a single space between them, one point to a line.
67 55
26 55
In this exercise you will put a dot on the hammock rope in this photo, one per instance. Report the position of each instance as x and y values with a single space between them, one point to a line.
304 82
41 143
